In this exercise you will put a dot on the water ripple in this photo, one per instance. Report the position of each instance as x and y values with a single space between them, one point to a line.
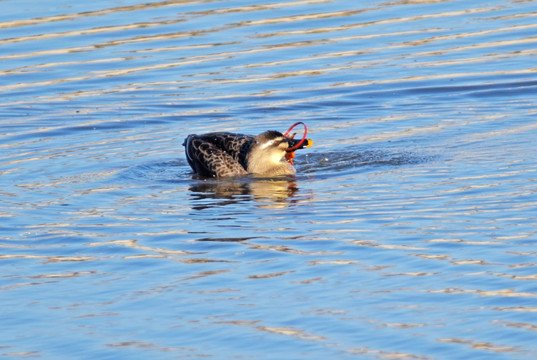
408 232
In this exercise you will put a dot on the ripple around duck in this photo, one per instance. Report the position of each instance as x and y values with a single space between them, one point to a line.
327 163
334 163
171 171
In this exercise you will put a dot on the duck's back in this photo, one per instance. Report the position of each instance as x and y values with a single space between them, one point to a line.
218 154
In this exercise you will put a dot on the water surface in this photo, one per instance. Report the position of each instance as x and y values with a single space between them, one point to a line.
409 231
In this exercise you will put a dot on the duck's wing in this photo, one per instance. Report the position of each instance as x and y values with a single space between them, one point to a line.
214 155
236 145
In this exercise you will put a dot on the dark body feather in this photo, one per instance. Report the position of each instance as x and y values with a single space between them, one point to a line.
218 154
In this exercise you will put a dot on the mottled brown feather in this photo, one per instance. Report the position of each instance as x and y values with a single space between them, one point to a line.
218 154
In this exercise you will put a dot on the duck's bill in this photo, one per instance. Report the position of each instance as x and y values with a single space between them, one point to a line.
294 144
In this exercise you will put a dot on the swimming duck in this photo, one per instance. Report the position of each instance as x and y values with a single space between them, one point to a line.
224 154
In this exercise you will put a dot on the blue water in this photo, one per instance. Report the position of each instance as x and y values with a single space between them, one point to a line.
409 231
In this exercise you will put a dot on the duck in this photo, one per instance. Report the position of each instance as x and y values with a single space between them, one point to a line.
226 154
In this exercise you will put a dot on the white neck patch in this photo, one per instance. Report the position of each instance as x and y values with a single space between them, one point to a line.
267 144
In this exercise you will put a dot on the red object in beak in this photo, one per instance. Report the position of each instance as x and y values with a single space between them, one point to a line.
293 148
289 156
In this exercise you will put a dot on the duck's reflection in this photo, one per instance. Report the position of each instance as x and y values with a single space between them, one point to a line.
267 192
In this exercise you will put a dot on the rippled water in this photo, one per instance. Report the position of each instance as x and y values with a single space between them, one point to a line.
410 231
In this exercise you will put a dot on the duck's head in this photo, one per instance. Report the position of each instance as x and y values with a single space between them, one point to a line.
272 148
276 145
272 145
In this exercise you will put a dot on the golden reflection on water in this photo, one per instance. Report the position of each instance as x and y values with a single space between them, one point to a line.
289 331
268 193
270 77
520 325
50 259
278 75
386 246
383 354
379 22
97 30
64 17
158 253
501 293
134 245
481 345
